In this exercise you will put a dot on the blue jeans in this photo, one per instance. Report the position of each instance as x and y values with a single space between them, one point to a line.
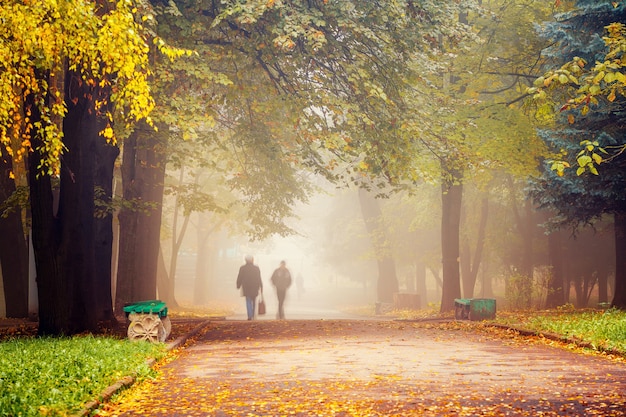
250 305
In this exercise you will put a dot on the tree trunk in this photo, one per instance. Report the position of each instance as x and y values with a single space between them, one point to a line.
451 197
77 211
603 285
373 217
106 156
65 242
619 296
525 228
177 241
420 280
205 257
54 311
470 271
555 296
163 283
201 283
143 175
13 249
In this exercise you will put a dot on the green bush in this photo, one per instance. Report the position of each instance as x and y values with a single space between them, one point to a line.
56 376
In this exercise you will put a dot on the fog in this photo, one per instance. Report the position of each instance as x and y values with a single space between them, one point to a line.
333 259
318 284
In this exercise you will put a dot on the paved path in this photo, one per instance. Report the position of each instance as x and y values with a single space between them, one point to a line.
376 368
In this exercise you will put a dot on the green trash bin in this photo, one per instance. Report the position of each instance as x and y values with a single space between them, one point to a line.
157 307
482 309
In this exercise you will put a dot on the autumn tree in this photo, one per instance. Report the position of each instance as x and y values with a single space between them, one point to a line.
474 128
332 71
63 85
218 112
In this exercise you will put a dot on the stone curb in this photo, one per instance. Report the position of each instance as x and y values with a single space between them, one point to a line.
127 381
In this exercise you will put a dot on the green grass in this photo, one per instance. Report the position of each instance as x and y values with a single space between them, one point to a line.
602 329
56 376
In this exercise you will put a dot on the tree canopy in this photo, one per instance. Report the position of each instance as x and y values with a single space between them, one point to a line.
108 48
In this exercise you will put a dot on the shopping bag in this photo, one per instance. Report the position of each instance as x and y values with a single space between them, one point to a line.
261 307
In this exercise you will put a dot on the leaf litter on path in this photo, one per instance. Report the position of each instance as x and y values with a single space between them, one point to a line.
373 368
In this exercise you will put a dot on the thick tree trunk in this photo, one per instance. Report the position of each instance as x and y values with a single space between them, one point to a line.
54 311
52 284
128 263
451 198
372 215
77 249
143 176
619 297
106 156
13 249
64 242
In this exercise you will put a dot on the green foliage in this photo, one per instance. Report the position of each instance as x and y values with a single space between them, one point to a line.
519 291
18 200
56 376
577 89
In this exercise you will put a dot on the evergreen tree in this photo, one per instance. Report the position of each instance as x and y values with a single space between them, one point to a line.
596 126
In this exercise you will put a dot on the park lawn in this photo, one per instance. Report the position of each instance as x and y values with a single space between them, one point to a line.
603 330
57 376
599 329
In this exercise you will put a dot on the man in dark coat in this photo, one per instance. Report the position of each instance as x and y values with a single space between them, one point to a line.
249 279
281 278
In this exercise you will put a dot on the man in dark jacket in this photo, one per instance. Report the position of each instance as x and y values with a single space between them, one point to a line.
281 278
249 279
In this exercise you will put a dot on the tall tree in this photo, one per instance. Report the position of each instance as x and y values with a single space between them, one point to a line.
591 105
64 88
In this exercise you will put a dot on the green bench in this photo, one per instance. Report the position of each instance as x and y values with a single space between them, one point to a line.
474 309
148 321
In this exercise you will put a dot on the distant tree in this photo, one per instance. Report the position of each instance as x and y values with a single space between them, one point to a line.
379 238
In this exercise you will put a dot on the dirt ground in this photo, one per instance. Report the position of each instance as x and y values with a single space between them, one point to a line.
375 368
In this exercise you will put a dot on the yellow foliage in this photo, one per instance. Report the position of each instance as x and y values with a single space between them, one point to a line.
40 41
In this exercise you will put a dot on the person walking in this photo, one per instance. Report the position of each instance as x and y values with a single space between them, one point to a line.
281 279
249 280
